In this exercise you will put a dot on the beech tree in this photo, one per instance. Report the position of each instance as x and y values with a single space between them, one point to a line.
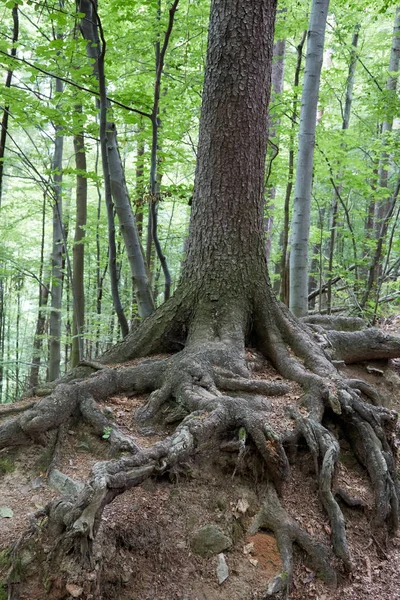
298 298
222 304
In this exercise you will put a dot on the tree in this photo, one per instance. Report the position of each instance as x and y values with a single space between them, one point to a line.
305 160
223 302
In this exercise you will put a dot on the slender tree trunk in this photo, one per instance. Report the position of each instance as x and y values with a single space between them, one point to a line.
155 122
345 126
3 138
139 202
6 109
78 287
384 209
305 159
112 165
284 263
277 80
57 253
17 346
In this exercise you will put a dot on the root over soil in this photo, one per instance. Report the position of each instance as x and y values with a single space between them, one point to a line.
212 397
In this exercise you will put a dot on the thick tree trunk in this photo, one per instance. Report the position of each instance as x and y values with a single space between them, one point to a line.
230 171
305 160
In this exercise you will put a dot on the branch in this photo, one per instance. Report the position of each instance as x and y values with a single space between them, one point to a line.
76 85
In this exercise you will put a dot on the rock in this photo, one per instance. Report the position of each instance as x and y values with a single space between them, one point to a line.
209 540
75 590
63 483
37 483
222 569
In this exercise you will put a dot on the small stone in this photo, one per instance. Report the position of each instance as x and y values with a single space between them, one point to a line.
126 575
75 590
37 483
209 540
222 569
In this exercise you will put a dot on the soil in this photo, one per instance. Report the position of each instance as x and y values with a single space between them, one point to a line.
147 531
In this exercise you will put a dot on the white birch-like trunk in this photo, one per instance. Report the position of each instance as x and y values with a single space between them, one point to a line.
383 207
305 161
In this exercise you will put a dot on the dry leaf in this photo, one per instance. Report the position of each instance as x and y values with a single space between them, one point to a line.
253 561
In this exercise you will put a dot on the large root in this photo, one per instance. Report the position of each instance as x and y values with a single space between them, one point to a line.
209 389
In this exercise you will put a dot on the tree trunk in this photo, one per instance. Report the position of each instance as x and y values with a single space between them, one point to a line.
6 109
277 80
345 126
383 207
283 268
383 210
78 287
57 253
112 164
305 160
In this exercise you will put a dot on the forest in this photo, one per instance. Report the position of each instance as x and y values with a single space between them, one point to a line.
199 298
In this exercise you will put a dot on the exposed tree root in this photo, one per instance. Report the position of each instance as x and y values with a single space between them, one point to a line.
287 531
190 387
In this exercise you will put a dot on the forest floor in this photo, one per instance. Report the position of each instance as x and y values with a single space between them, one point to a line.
148 531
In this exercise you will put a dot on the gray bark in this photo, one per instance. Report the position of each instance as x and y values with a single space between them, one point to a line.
305 160
345 126
128 226
90 26
277 80
57 254
383 207
78 288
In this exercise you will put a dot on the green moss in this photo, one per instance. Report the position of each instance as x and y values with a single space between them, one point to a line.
5 560
6 465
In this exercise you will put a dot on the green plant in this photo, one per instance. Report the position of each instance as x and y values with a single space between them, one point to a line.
106 433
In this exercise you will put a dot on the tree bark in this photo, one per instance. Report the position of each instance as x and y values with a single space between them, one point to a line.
112 164
78 287
6 109
345 126
277 80
284 262
57 253
305 160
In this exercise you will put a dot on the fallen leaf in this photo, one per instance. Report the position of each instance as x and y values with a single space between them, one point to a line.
6 512
253 562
